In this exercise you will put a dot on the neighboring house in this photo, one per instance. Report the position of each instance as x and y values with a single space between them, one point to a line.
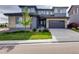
47 18
74 14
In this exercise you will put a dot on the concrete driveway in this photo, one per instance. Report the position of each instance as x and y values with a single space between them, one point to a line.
64 35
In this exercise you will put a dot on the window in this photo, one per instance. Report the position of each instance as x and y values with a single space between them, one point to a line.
55 11
18 19
60 10
31 9
63 11
44 12
47 12
51 13
41 12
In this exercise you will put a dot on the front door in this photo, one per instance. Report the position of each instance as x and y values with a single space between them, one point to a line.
41 22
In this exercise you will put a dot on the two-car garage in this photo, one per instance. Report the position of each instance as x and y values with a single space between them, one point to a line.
56 22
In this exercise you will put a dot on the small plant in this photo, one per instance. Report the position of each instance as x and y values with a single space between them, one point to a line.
26 18
34 30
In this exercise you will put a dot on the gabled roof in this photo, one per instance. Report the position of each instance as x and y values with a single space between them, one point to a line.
13 14
22 6
18 14
61 7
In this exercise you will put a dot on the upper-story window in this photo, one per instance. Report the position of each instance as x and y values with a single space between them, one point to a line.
31 10
51 13
63 11
56 11
40 12
47 12
44 12
59 10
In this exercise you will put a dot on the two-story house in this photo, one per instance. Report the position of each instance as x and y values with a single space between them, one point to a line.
47 18
74 14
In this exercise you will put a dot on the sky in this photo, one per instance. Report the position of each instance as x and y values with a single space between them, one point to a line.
39 2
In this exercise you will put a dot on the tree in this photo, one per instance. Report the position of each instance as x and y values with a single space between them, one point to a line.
26 18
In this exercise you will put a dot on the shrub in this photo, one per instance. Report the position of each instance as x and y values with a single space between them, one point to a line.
73 28
72 25
34 30
45 30
19 31
40 30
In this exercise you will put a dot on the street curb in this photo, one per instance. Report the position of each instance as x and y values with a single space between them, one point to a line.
24 41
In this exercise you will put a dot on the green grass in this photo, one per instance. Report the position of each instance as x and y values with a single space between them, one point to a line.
41 35
21 35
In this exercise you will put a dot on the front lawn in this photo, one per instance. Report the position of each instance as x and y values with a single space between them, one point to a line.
22 35
41 35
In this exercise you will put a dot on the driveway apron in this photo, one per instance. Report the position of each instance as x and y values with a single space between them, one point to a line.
64 35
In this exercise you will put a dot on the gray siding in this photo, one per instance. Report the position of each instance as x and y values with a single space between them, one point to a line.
74 10
34 22
74 14
74 18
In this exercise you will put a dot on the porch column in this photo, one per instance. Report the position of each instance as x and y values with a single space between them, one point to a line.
47 23
12 22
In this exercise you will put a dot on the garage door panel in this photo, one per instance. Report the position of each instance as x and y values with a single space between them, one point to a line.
56 24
